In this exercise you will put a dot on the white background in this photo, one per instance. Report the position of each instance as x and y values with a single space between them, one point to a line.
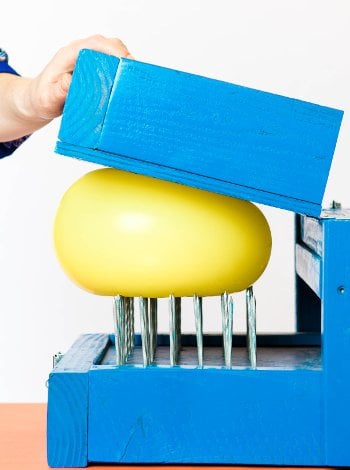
295 48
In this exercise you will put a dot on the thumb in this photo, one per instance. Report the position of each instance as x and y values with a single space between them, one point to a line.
65 81
58 96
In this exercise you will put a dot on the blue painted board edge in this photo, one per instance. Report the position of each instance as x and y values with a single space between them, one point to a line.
190 179
86 122
68 401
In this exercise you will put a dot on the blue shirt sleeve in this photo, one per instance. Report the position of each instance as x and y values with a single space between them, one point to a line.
6 148
6 68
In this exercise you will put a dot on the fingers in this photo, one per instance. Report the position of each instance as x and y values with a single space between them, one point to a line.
65 83
57 96
51 86
65 58
112 46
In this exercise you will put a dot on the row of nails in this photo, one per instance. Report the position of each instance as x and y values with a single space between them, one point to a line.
124 327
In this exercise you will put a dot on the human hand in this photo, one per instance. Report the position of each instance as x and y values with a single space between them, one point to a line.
30 103
47 92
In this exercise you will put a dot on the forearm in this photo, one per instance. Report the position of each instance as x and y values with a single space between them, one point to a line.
16 116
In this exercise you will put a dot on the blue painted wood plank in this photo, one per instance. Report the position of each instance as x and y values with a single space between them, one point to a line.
308 267
182 177
67 414
85 352
261 146
67 419
88 96
336 340
179 415
266 141
311 233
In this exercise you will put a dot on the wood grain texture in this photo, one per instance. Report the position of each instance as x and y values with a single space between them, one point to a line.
22 442
179 415
67 419
206 133
84 353
89 93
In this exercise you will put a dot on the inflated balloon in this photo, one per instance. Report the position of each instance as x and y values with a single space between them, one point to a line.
121 233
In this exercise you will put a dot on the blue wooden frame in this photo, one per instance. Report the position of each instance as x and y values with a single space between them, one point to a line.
200 132
295 415
244 143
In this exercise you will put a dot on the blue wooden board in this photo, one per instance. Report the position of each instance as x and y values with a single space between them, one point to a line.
131 414
336 340
199 131
211 416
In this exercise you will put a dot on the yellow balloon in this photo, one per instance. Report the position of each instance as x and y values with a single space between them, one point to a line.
121 233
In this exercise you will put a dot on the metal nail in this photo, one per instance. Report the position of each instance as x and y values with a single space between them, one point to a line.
132 323
153 307
251 326
231 306
198 315
119 329
174 328
126 328
223 308
129 306
226 329
178 326
145 331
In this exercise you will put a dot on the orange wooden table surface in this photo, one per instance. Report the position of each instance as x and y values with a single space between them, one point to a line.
22 441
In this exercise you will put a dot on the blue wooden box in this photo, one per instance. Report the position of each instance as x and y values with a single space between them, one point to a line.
200 132
293 409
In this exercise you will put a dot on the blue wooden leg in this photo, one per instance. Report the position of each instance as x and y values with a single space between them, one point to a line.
67 416
67 420
323 265
336 340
